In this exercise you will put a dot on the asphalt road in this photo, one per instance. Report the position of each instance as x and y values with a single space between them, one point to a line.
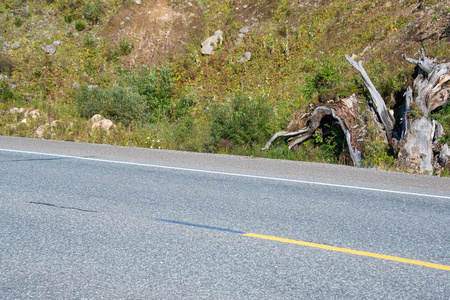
97 221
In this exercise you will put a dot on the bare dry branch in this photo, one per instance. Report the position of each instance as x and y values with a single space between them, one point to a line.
380 106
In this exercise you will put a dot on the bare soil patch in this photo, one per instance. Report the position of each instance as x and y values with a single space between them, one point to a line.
155 29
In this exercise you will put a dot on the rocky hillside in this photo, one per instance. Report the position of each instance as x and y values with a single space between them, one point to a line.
141 66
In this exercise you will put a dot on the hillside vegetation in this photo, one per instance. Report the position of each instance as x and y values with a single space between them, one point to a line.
140 65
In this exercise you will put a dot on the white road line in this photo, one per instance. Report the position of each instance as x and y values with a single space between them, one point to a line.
228 174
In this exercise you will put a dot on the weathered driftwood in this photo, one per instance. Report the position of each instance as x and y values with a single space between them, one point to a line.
414 136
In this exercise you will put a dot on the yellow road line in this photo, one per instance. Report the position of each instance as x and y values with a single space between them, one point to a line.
356 252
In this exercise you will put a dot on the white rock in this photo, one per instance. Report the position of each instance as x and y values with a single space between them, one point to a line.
104 124
39 133
210 43
31 113
245 57
96 118
99 122
49 49
15 110
244 29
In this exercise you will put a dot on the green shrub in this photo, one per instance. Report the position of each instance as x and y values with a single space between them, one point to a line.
111 54
118 104
326 77
79 25
93 11
6 65
90 41
332 143
184 104
376 153
244 120
443 116
140 97
6 93
156 86
125 47
17 21
68 19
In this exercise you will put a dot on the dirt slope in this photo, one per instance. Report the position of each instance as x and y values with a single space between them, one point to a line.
155 29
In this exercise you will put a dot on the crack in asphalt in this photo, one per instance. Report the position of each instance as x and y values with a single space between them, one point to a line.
63 207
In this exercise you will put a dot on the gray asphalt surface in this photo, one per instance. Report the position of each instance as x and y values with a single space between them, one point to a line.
82 224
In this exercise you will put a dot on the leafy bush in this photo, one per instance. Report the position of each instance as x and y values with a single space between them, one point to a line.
141 97
244 120
118 104
156 86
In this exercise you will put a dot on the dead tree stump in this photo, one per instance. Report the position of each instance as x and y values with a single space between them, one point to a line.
413 136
